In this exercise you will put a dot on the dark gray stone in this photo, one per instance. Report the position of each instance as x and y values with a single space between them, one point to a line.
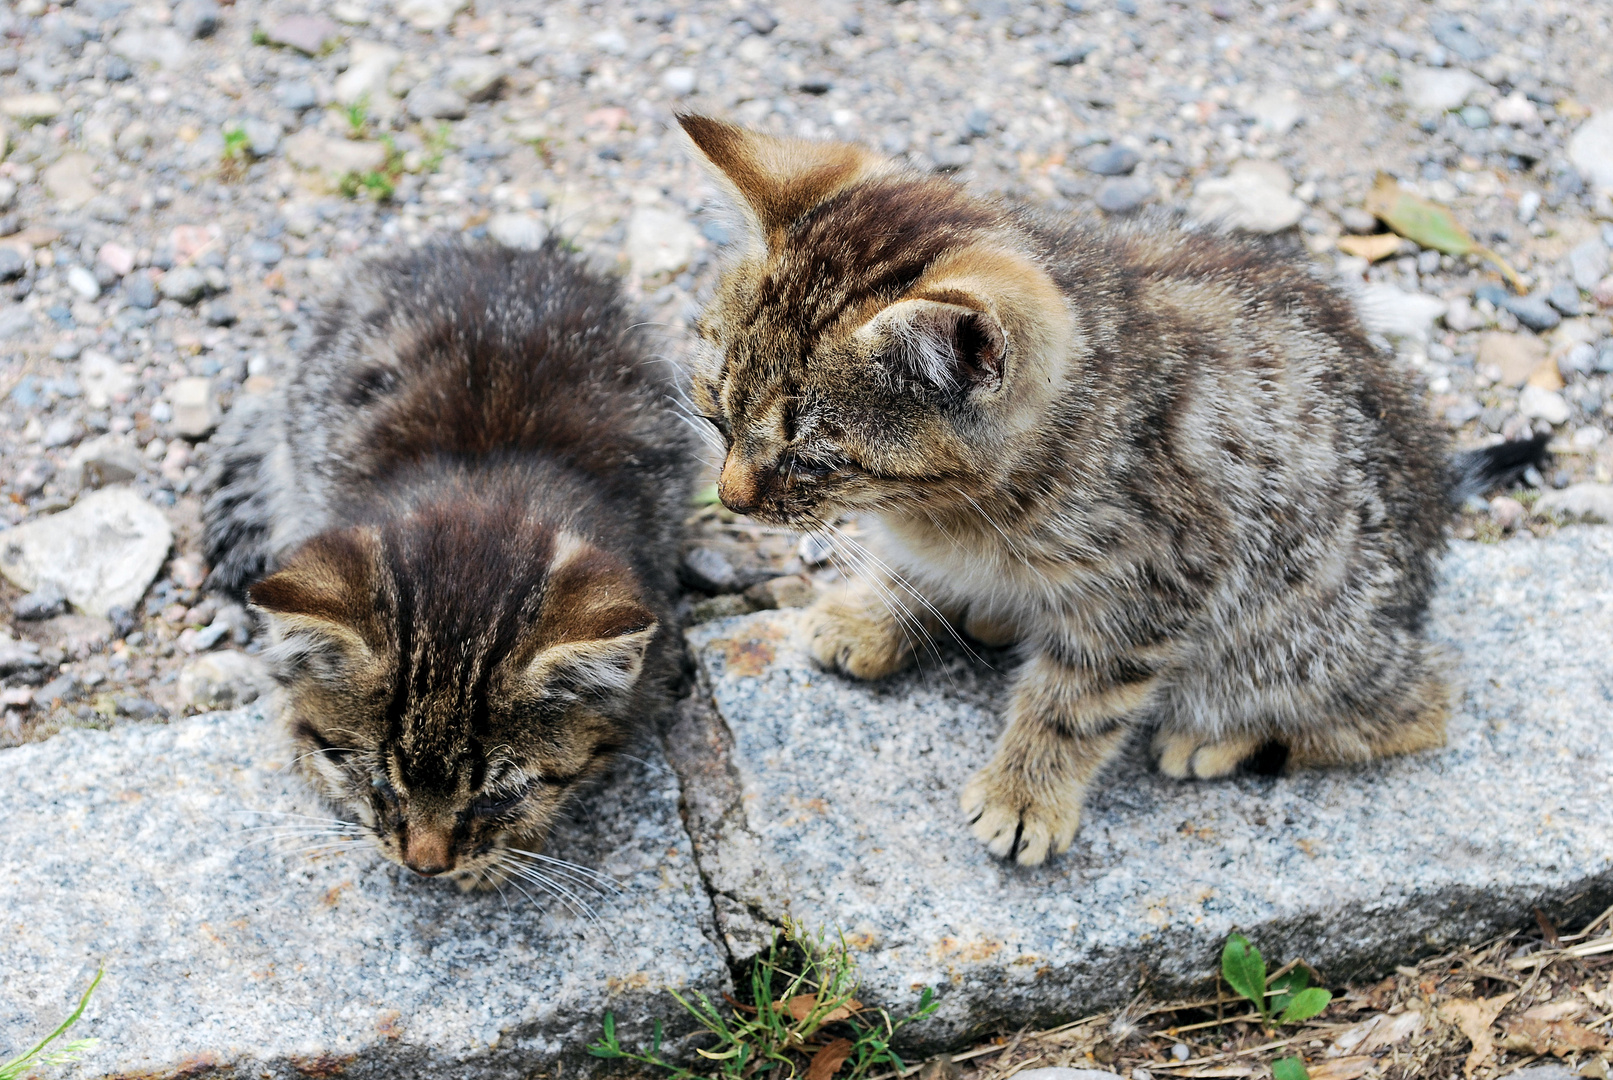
1115 161
12 264
708 570
1123 196
1564 296
1534 311
140 291
296 95
43 603
836 802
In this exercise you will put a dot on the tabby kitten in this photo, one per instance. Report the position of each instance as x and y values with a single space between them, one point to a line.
466 502
1168 463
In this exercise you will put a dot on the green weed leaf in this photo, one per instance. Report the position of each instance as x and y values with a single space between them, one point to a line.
1306 1004
1289 1068
1284 987
1245 970
1429 224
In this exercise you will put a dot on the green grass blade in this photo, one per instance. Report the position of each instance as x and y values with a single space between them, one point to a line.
15 1065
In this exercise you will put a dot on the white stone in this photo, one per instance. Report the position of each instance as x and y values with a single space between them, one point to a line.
82 282
1438 90
103 461
1585 501
196 408
523 231
103 379
1538 403
1255 197
314 152
102 553
429 15
1063 1073
1396 313
477 78
679 80
659 242
71 181
31 108
370 66
1591 149
1587 263
1277 111
1516 109
1589 436
837 802
223 944
223 680
158 45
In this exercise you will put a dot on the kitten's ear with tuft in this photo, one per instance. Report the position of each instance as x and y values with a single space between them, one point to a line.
324 592
779 180
607 664
951 346
593 629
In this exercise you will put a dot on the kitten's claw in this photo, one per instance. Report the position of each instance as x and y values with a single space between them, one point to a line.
1184 755
1013 824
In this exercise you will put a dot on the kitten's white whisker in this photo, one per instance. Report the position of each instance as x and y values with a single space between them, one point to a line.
554 889
575 868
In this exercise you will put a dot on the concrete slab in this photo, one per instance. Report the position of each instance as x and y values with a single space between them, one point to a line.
836 802
132 849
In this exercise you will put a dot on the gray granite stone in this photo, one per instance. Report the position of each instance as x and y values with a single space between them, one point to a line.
837 803
134 849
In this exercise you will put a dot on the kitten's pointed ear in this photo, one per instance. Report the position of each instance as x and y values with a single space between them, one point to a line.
949 345
593 630
779 180
324 594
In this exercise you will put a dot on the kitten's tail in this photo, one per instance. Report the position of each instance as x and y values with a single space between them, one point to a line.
1473 472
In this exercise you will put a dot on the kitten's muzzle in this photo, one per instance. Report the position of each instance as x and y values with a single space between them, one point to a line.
427 853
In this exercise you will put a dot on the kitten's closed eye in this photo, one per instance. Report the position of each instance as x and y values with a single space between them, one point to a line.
819 468
494 805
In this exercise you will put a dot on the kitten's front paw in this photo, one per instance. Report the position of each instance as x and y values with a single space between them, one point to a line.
856 635
1185 755
1016 822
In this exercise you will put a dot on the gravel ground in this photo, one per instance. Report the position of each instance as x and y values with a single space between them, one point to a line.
180 187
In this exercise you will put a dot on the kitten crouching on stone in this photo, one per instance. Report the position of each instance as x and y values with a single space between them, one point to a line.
1167 463
460 517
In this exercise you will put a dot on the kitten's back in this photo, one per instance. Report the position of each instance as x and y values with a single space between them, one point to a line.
455 354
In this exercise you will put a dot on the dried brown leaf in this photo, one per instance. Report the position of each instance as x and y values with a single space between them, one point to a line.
1344 1068
1474 1019
827 1061
1559 1037
801 1006
1370 248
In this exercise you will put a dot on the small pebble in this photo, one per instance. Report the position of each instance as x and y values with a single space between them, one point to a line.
1115 161
1123 196
46 602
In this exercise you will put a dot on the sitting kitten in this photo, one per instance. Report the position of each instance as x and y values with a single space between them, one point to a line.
467 503
1168 463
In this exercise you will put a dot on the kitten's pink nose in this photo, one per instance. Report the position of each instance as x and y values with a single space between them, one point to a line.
739 487
427 853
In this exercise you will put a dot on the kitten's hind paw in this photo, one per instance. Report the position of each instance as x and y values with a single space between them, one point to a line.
1186 755
856 635
1015 824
